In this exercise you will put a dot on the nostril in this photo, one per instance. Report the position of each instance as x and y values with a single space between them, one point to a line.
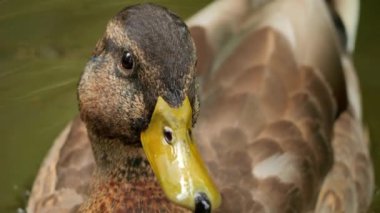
168 135
202 203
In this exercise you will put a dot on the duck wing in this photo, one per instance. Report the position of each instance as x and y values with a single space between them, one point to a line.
64 176
280 124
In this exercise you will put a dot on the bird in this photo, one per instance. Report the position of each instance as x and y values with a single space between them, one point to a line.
249 106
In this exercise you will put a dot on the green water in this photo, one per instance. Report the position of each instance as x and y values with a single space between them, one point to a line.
44 46
368 65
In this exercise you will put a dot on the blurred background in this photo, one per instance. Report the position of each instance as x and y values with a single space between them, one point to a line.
44 45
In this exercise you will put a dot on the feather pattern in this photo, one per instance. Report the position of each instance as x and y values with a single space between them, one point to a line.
280 123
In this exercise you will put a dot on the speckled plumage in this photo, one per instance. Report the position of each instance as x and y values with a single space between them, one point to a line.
116 104
280 124
125 182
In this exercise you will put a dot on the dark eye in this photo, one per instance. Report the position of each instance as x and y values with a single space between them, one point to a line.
127 60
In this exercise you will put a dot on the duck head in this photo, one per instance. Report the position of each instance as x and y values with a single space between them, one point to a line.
139 90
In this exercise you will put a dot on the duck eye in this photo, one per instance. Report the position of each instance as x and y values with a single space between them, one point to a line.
168 135
127 60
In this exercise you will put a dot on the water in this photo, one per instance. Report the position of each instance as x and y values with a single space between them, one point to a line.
367 63
44 45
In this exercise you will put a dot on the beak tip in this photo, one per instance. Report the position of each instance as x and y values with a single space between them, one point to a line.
202 203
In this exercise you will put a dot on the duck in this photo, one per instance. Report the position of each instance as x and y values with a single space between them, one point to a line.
248 106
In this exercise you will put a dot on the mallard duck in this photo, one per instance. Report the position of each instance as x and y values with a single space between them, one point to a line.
279 128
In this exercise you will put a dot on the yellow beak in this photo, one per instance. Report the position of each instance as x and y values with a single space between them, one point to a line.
174 158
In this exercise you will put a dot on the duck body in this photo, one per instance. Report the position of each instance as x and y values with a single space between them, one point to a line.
280 126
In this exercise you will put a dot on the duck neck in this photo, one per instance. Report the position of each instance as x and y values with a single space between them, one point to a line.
123 180
116 159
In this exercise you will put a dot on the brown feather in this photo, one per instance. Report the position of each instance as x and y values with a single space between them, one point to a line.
64 177
280 124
